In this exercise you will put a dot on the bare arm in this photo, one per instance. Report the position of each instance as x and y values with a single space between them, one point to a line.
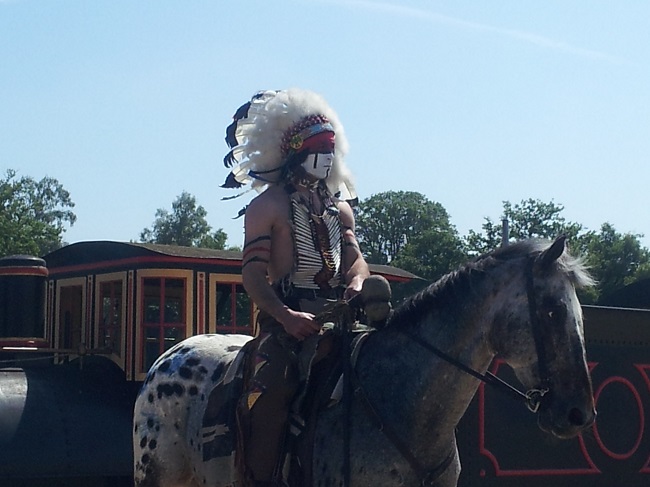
355 268
261 216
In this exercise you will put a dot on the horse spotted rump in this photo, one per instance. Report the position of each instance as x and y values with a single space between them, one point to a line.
172 429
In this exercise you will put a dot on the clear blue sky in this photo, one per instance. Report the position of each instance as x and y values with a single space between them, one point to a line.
471 103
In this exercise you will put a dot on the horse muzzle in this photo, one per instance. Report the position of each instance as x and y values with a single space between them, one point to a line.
566 420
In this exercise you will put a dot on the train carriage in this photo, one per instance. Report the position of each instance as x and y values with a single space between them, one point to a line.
79 330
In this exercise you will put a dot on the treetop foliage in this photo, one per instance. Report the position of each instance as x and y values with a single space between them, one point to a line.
186 225
528 219
407 230
33 214
388 222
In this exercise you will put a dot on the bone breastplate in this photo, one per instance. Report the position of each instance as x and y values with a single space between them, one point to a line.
317 245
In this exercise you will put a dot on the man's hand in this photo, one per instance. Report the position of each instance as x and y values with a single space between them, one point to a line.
300 325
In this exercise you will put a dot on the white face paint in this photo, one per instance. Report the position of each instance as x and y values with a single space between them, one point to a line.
318 165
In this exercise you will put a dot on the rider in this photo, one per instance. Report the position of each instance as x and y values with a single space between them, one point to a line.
299 251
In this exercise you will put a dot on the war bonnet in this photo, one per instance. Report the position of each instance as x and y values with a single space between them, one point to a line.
272 127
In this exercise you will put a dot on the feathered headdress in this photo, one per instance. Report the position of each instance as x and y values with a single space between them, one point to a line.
272 127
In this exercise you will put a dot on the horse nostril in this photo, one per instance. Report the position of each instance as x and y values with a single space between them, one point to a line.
576 417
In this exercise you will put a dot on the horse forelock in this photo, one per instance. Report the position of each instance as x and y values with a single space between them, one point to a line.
573 267
456 288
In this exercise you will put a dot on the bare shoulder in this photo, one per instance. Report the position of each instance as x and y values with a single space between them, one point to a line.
347 215
273 200
265 210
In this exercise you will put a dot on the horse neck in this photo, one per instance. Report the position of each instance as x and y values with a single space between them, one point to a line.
438 391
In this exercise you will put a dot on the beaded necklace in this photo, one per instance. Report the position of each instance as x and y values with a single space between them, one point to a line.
317 236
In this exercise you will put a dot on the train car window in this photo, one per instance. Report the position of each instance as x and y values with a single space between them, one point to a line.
110 325
71 316
22 310
163 320
234 309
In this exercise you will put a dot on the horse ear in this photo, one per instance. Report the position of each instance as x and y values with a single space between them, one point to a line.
554 252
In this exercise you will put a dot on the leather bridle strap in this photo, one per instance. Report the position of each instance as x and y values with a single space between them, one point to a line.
532 397
538 329
488 377
426 477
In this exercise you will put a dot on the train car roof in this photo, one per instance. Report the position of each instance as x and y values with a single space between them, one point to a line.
103 253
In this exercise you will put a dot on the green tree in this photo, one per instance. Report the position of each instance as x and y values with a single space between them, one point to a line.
432 254
614 259
387 222
406 230
33 214
186 225
529 219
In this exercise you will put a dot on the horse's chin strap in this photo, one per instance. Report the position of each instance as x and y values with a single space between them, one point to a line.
531 397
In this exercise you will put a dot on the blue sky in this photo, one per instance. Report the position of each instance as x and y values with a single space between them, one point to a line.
469 103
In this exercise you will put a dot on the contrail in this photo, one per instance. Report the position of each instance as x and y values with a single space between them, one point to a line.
437 18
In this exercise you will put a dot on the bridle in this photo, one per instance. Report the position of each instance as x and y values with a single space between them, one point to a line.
532 397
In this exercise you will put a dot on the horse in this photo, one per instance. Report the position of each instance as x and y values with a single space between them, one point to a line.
413 378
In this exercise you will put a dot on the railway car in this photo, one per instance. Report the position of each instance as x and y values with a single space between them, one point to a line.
80 327
79 330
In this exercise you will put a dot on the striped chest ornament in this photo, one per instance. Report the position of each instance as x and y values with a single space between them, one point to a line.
317 237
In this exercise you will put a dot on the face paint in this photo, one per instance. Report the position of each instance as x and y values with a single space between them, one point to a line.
318 165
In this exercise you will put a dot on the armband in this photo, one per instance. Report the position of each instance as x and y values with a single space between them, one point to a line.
258 239
254 259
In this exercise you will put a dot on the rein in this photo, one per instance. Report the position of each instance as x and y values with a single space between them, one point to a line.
533 397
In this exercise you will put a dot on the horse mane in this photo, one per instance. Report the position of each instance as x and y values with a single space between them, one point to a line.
457 287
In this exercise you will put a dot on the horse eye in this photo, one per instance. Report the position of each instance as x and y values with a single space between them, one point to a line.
553 311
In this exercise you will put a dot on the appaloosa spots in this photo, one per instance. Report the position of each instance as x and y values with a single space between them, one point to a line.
185 372
192 362
218 372
170 389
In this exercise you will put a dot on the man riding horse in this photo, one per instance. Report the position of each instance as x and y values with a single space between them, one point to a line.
300 249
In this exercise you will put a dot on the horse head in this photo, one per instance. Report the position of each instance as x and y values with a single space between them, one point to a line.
540 335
